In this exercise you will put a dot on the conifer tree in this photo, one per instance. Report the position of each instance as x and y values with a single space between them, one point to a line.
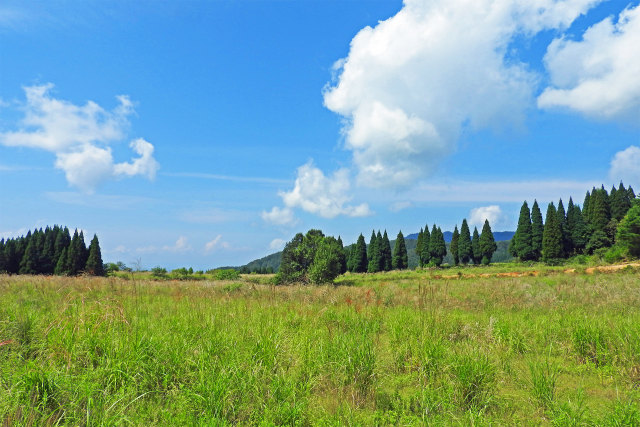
465 250
552 236
487 243
598 220
620 202
576 228
373 253
62 268
426 241
63 240
360 256
585 207
564 229
400 256
29 262
453 248
537 229
11 257
94 265
387 262
343 257
524 244
437 246
420 246
3 265
47 260
475 246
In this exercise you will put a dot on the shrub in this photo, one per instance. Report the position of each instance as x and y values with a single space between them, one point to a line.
158 272
226 274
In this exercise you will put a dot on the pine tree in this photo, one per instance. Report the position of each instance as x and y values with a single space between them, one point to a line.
360 256
620 202
420 246
552 236
425 256
94 265
11 257
576 228
564 229
62 268
373 253
585 207
453 248
523 243
465 250
475 246
400 256
537 228
598 220
342 257
29 262
387 262
487 243
47 262
437 246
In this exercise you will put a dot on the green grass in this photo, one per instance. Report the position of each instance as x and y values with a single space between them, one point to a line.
402 348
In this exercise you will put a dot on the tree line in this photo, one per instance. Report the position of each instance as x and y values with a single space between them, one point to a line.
51 251
574 231
431 248
377 256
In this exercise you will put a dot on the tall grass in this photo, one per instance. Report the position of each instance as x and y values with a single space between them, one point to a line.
389 349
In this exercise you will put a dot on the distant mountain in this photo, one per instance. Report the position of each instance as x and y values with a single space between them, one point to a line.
499 236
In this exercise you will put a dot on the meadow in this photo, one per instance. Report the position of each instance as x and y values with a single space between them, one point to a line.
496 345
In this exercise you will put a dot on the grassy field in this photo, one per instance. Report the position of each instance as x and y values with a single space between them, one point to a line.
453 347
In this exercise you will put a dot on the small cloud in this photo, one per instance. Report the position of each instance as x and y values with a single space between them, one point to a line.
181 245
279 216
316 193
216 243
399 206
625 165
121 249
277 244
493 213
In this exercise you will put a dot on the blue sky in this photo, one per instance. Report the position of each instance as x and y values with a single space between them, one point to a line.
207 133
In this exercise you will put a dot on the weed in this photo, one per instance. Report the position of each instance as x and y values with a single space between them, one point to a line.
543 382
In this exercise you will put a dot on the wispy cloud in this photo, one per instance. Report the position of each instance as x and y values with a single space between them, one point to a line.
216 243
253 179
214 216
102 201
79 136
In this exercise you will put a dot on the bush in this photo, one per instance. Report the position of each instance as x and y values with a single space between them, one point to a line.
615 254
226 274
158 272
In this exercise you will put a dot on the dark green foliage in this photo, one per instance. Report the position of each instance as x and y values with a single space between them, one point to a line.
628 235
620 202
419 247
29 262
423 252
385 252
293 264
94 265
359 256
77 254
523 238
373 254
552 236
400 255
465 250
487 243
453 248
576 229
437 246
475 246
62 266
599 213
327 261
564 229
537 228
343 257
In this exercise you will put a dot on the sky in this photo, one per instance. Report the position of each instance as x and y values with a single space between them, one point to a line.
207 133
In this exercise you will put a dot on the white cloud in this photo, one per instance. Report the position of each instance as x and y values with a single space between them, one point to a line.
598 75
316 193
79 136
277 244
409 85
216 243
493 213
181 245
279 216
625 166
